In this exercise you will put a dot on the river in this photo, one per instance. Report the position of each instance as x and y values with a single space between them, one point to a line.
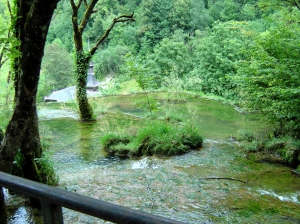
218 183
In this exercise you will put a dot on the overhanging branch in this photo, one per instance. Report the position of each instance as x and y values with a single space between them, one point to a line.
119 19
87 14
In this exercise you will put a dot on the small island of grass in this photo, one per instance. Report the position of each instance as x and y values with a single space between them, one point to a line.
157 138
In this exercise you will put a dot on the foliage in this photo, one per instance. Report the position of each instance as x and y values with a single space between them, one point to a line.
18 163
161 19
135 69
46 170
150 103
139 73
218 48
229 10
61 28
170 56
155 138
283 150
156 23
109 61
43 165
101 20
85 109
200 18
57 69
270 6
8 43
216 53
224 10
268 79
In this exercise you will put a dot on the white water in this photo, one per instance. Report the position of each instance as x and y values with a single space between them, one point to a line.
287 197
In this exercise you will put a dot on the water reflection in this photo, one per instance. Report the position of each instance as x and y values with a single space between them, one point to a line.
85 142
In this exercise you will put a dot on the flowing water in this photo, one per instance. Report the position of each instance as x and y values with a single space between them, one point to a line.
215 184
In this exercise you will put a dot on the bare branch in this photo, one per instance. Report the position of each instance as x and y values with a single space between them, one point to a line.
223 178
9 9
119 19
75 15
85 3
72 4
87 15
79 4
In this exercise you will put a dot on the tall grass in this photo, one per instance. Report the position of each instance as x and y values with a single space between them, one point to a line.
155 138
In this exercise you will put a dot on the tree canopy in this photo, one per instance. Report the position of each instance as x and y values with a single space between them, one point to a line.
241 50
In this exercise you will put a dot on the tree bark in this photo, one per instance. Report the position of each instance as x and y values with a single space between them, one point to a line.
31 26
82 59
85 110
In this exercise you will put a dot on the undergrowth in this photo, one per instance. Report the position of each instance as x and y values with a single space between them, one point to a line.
274 149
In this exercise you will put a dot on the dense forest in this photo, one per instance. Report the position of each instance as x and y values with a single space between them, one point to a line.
245 51
242 52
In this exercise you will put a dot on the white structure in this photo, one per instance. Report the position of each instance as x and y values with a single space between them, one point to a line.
69 93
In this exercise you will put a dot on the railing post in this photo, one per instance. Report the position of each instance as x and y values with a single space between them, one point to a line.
53 199
52 214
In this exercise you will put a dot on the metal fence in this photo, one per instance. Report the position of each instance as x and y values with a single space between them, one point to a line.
53 199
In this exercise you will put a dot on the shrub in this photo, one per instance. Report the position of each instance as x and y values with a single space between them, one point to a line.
46 170
283 150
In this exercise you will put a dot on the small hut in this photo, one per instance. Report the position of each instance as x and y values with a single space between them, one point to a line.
69 93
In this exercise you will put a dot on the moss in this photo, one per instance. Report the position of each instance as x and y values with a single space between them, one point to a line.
85 110
115 144
193 140
46 171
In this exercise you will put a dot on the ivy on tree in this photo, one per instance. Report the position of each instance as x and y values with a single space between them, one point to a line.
82 58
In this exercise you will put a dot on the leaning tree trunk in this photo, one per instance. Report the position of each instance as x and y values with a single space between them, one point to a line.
32 22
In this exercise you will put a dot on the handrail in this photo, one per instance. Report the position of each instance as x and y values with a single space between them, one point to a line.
53 199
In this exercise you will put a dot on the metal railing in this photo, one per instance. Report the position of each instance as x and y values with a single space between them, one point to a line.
53 199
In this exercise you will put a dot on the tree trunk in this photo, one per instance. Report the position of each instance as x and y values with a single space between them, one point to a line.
32 22
85 110
82 59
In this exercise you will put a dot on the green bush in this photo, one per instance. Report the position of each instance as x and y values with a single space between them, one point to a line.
46 171
156 138
284 150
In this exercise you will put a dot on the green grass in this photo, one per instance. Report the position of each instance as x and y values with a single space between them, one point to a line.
273 149
155 138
